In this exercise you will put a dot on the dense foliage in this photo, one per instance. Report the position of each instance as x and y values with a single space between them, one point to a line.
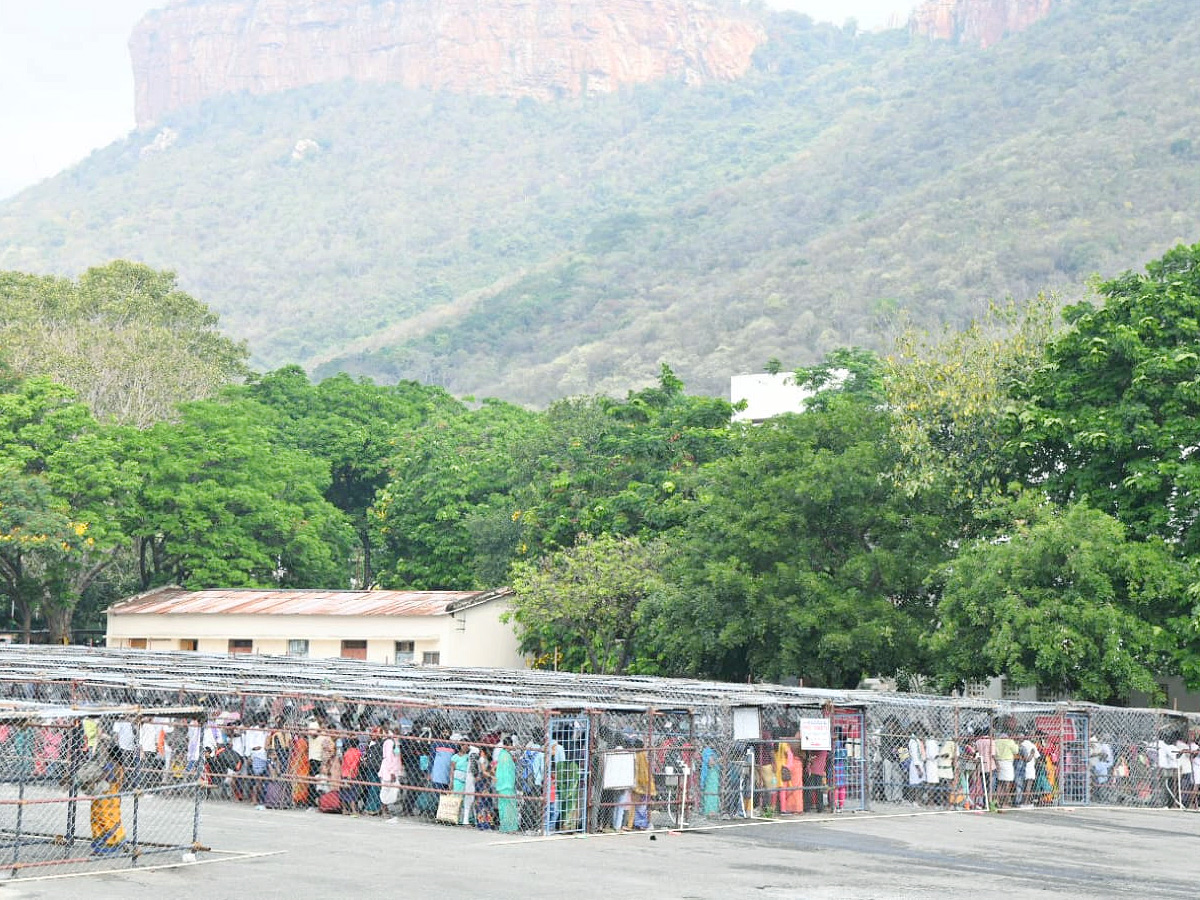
534 251
123 337
1016 498
801 560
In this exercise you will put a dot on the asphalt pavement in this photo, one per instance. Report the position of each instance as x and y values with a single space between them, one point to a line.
1082 853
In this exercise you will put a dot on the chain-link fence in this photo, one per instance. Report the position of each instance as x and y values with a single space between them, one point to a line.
557 753
95 788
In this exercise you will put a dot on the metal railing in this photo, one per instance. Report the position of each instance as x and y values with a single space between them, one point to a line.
556 753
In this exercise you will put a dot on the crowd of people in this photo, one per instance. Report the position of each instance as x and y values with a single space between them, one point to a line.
531 774
1037 766
387 768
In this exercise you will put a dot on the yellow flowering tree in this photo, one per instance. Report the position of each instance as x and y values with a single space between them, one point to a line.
60 480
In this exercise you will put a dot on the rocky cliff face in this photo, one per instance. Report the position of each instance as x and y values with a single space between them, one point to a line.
982 22
196 49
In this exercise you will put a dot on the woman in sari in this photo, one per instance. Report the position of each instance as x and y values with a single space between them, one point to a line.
1047 786
279 757
368 771
108 835
485 806
463 766
710 783
643 788
567 775
298 770
504 781
789 774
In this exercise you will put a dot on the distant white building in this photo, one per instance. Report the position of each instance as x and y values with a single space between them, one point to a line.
766 396
448 628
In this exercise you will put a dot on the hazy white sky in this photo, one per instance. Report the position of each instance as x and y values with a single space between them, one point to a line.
66 88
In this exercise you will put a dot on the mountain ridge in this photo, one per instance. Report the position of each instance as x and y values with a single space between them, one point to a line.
532 250
193 51
982 23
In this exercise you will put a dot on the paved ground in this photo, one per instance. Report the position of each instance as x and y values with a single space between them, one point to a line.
1029 853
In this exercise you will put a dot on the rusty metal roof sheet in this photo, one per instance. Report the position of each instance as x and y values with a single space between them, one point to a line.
257 602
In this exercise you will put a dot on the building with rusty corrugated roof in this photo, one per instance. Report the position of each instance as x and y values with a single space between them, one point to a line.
452 628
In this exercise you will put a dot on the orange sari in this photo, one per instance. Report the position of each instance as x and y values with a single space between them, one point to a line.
298 770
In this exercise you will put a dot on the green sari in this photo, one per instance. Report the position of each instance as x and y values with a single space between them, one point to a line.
566 782
505 785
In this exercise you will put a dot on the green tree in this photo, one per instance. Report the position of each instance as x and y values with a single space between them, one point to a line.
124 337
1114 414
951 398
583 606
356 427
1060 598
62 485
446 477
803 558
602 465
222 503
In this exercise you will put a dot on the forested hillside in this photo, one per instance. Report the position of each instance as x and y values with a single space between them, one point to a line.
1015 498
534 250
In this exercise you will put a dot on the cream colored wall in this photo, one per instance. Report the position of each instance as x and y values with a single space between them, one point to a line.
484 642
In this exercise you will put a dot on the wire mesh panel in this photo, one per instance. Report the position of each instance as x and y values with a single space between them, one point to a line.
1173 759
569 774
90 790
623 792
550 753
1120 757
848 760
927 754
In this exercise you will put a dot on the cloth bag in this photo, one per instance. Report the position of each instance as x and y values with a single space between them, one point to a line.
449 809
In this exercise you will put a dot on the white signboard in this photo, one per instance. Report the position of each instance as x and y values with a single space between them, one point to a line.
618 771
815 735
746 724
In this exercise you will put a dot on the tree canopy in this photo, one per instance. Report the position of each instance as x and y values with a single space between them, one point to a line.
1113 416
1062 599
801 559
1015 499
584 606
123 337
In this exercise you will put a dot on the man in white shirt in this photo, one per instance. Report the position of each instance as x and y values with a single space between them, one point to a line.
1029 753
1168 771
126 740
254 744
1100 762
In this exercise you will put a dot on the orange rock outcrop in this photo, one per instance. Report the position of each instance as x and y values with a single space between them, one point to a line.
982 22
196 49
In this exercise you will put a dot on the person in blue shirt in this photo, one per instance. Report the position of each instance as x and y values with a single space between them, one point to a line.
441 764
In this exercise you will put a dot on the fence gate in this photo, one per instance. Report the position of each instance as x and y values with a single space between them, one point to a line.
1075 788
570 760
847 764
